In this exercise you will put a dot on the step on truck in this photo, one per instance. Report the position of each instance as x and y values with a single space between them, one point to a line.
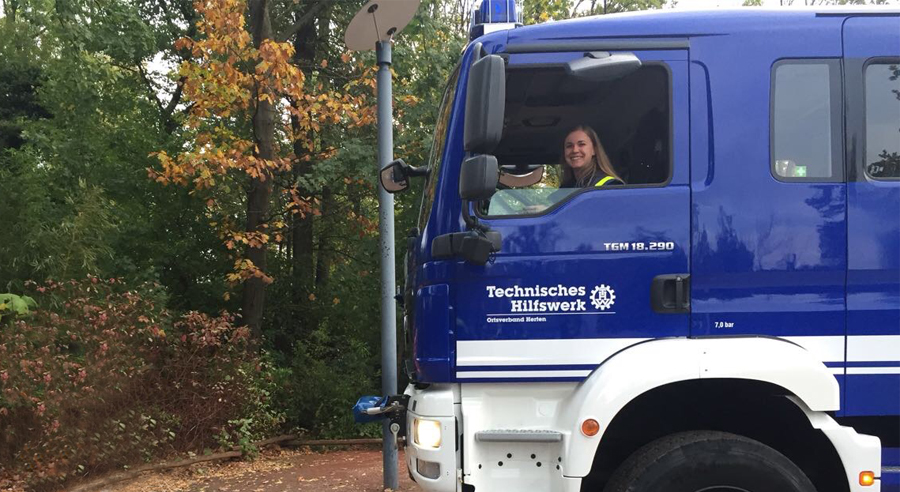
724 316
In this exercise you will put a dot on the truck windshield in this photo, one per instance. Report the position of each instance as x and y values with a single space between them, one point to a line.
437 148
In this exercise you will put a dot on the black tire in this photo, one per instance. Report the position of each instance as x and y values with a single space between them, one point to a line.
708 461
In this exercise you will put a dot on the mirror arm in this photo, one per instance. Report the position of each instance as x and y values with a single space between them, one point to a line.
472 222
477 245
415 172
411 171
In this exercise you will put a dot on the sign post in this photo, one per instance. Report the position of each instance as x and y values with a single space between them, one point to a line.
373 27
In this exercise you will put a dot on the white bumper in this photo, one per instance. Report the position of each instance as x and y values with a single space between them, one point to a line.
438 466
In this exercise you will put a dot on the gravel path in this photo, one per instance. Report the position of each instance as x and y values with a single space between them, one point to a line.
276 471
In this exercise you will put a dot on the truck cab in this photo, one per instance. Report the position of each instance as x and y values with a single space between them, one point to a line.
725 317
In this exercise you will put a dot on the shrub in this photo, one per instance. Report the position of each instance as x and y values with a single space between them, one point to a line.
99 376
328 375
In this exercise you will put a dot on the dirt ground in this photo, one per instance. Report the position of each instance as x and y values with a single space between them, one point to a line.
276 470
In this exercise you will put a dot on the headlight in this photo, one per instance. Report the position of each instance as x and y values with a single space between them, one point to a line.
427 433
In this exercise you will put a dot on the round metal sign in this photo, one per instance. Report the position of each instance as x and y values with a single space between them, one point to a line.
378 20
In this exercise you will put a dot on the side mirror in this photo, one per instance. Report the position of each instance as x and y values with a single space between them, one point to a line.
395 176
600 66
485 105
519 178
478 177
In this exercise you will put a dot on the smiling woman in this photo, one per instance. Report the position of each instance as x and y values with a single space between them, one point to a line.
584 161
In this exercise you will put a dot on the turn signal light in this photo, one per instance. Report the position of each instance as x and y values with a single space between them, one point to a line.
590 427
867 478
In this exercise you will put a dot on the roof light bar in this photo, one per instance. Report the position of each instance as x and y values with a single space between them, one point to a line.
495 15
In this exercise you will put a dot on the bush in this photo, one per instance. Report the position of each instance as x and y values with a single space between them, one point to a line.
99 376
325 380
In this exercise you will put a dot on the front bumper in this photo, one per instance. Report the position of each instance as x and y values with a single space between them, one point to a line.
433 469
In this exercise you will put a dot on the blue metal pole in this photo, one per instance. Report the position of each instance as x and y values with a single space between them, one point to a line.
386 231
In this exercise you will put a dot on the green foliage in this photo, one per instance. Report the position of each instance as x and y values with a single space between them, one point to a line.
537 11
13 306
76 245
325 380
80 114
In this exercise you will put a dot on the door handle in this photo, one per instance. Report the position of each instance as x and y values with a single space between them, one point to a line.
671 293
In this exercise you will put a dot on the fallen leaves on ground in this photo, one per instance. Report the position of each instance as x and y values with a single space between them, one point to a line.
276 470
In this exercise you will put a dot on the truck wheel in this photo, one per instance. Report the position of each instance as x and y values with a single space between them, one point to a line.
708 461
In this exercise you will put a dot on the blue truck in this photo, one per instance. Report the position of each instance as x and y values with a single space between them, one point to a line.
728 319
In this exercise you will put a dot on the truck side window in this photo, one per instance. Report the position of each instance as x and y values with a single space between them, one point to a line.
437 148
806 120
631 116
883 120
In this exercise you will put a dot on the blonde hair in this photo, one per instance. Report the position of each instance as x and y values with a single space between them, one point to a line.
600 160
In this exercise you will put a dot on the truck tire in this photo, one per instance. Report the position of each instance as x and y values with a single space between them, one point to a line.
708 461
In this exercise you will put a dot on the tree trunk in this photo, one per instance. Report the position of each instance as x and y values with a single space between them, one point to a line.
323 262
302 237
261 187
302 261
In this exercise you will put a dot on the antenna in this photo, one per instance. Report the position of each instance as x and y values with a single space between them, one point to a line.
374 27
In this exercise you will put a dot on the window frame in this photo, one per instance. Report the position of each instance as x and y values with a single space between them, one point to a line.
836 99
863 123
671 151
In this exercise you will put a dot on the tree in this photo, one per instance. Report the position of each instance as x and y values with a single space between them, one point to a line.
537 11
596 7
73 125
244 93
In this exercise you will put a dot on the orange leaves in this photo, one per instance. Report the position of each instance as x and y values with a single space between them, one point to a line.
409 100
184 43
227 81
301 205
251 239
244 269
274 74
262 67
172 171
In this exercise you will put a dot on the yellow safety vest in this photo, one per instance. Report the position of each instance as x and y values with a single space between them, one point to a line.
604 181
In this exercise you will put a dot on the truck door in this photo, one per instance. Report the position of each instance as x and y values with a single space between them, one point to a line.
583 271
872 81
769 193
